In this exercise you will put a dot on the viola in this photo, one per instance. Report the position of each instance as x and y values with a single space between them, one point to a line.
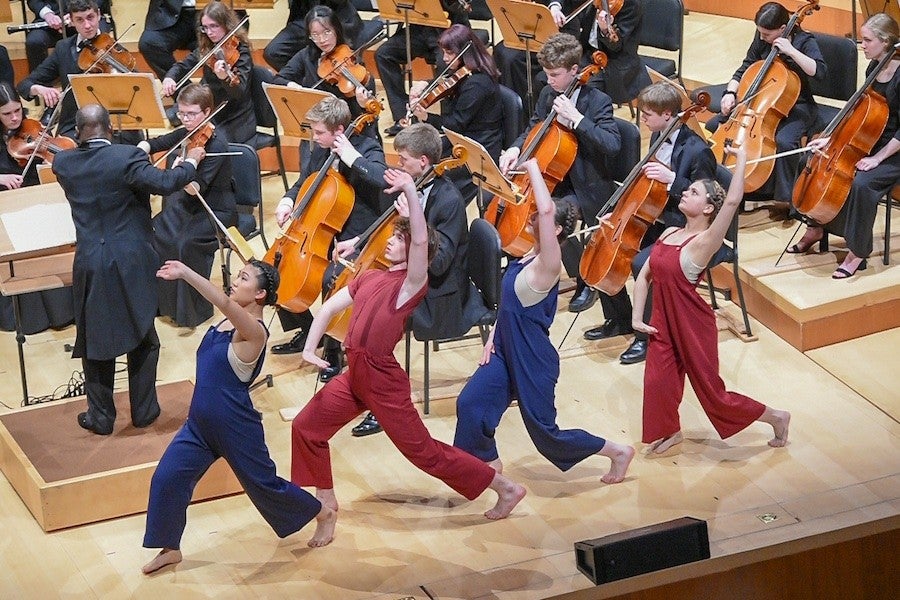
606 261
229 53
768 90
553 147
339 68
824 182
30 140
103 54
368 251
443 88
301 253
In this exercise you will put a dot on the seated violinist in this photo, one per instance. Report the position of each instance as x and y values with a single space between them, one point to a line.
801 55
56 68
39 41
228 78
441 314
683 158
875 174
589 115
361 162
295 35
183 231
39 310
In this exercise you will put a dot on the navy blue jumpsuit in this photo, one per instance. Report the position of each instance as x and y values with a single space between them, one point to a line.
221 423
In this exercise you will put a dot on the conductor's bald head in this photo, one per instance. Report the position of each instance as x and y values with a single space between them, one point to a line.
91 122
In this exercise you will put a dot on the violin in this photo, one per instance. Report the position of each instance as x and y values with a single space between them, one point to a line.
767 92
606 261
340 69
369 249
324 203
103 54
611 9
824 182
443 89
213 53
553 147
229 53
30 140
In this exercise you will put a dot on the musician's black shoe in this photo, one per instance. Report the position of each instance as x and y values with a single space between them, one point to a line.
583 300
294 346
635 353
367 426
609 329
393 130
335 360
85 421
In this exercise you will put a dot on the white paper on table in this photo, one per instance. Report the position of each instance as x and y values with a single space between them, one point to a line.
40 226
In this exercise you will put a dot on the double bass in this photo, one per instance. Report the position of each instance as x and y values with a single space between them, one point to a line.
553 146
324 203
767 92
824 183
606 261
369 249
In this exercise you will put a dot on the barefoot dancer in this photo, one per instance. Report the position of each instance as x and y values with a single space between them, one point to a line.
683 333
222 421
383 301
520 362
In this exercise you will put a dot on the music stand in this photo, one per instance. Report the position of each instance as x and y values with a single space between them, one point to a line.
692 122
291 105
429 13
524 26
485 172
131 98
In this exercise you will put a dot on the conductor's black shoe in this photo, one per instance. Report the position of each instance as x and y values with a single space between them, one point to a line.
335 360
292 347
609 329
148 422
393 130
635 353
86 422
367 426
583 300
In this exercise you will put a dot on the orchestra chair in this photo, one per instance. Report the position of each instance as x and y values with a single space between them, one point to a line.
265 118
663 29
247 194
841 57
728 254
620 164
483 267
514 118
481 12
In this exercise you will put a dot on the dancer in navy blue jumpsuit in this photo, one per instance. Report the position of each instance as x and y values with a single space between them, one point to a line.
222 421
520 362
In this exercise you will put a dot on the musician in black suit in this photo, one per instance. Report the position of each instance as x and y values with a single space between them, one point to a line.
442 313
170 25
85 17
683 158
108 187
295 35
361 162
590 117
39 41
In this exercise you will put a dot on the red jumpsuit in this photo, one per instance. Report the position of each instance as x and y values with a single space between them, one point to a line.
375 381
687 342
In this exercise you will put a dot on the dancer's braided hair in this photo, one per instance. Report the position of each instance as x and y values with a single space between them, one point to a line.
268 280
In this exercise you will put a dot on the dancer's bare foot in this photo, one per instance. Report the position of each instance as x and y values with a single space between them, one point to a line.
327 498
509 493
496 465
620 456
164 558
326 521
662 446
781 420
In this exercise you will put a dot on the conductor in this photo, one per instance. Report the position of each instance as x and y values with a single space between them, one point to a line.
108 187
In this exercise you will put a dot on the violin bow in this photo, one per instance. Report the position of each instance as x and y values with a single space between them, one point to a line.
212 51
434 82
162 158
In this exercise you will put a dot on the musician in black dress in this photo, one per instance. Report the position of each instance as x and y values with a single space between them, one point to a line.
295 35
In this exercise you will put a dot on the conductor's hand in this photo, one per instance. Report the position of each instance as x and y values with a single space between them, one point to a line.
49 95
310 357
198 153
508 158
168 86
172 270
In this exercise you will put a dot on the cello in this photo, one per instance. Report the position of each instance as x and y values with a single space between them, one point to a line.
553 146
369 249
767 92
606 261
824 183
324 203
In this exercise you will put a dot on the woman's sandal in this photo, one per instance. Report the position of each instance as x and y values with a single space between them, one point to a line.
842 273
798 249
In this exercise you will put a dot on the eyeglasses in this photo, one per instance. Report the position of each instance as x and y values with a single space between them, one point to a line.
188 116
207 28
318 37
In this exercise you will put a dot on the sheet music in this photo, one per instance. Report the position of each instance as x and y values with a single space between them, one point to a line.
40 226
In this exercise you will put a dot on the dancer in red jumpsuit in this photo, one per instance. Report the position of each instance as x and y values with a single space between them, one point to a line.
684 337
375 381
